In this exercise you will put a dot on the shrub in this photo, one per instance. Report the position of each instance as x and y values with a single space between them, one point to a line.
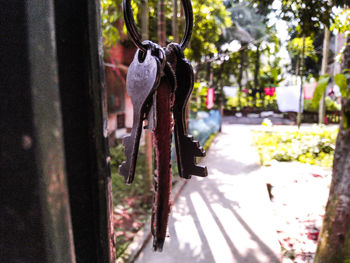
315 147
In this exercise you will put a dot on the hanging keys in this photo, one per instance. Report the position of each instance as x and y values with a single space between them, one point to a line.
152 114
142 80
186 148
160 93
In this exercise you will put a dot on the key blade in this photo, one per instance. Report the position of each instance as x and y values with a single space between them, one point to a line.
125 169
151 116
142 80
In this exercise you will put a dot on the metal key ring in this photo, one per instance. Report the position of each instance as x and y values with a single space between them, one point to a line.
135 35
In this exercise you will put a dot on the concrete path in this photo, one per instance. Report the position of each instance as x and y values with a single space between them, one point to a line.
226 217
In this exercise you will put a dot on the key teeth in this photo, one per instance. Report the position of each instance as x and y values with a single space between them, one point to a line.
158 244
126 140
201 152
196 170
123 172
199 170
123 169
197 149
205 173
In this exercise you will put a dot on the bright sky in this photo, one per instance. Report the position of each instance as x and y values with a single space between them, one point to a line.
282 32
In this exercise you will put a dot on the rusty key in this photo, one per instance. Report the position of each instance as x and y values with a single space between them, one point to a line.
186 148
162 145
142 80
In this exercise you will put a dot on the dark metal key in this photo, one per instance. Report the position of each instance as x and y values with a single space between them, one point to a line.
186 148
142 80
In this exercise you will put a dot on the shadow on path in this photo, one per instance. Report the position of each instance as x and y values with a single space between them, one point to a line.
226 217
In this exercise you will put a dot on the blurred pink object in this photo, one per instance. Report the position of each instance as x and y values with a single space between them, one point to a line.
270 91
309 90
210 98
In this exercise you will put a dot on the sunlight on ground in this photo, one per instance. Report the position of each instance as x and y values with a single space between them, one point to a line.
220 249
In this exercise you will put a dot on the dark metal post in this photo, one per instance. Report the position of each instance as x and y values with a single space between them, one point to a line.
81 75
55 200
35 223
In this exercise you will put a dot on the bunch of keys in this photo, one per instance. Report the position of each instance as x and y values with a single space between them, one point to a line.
159 83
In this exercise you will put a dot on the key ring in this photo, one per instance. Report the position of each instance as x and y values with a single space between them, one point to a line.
135 35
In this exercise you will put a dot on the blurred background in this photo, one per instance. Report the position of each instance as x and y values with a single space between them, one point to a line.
276 65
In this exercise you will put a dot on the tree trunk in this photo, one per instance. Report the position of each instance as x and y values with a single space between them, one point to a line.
257 67
241 69
144 20
221 95
322 105
334 242
256 73
346 56
161 23
175 26
297 69
301 85
148 134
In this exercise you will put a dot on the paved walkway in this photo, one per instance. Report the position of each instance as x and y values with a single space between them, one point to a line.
226 217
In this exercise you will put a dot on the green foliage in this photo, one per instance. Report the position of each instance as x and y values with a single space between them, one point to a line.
295 47
310 15
259 103
140 185
315 147
233 102
139 193
342 21
320 89
199 96
271 74
342 82
110 13
331 105
248 25
210 19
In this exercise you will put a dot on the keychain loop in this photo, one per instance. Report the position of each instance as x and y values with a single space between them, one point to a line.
135 35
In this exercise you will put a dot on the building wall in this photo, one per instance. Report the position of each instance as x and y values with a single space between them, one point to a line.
120 112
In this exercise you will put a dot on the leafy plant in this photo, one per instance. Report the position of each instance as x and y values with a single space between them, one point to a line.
140 185
199 96
331 105
320 89
342 80
257 102
131 202
210 19
110 13
315 147
295 47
